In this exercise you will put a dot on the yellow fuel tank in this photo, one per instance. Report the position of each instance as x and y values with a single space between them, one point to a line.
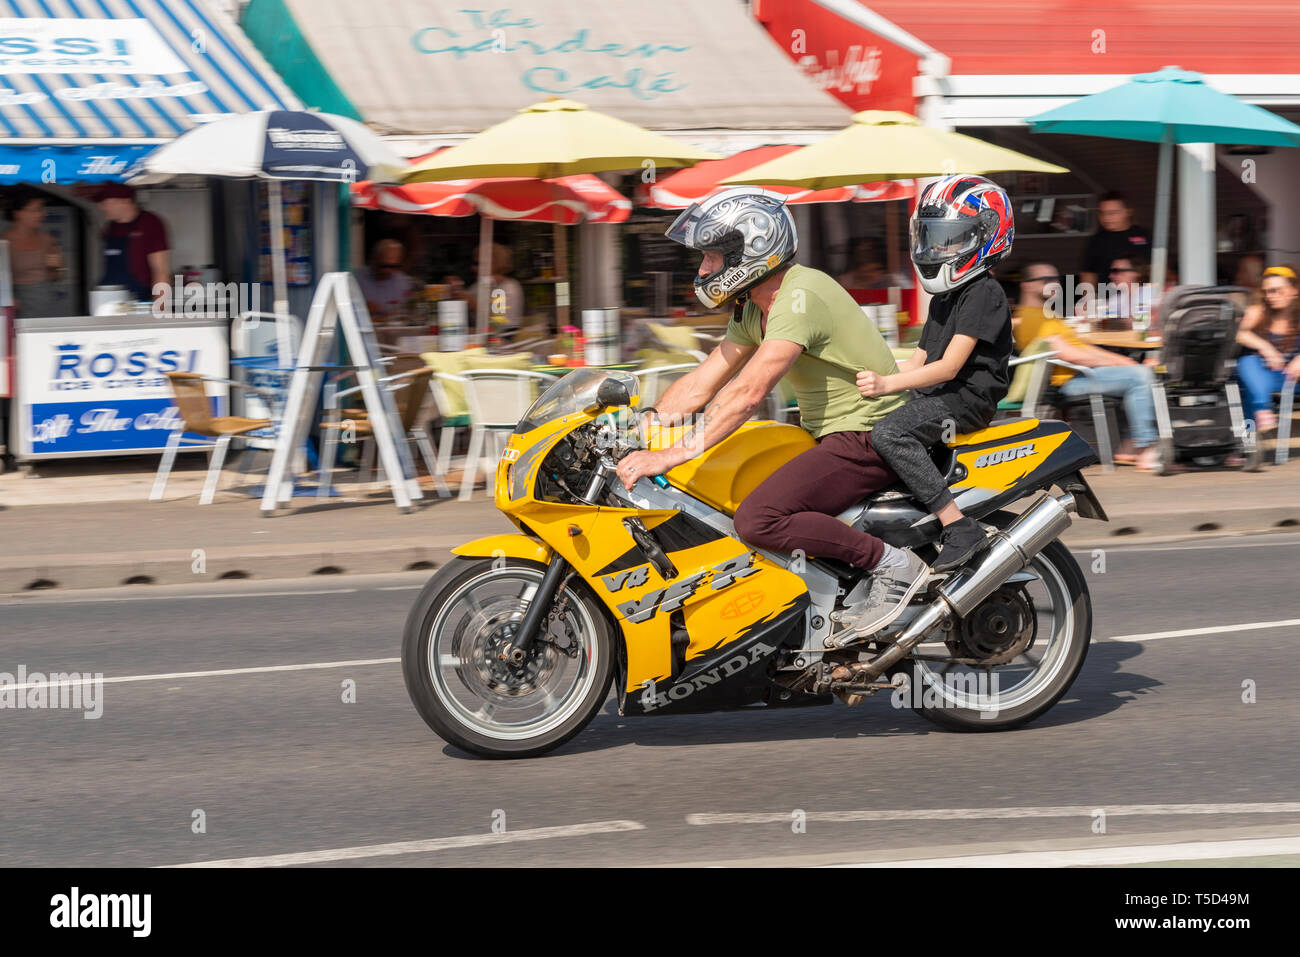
733 468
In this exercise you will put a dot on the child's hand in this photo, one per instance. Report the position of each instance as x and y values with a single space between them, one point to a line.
872 384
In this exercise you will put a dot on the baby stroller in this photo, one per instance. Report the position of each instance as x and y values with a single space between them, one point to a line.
1198 403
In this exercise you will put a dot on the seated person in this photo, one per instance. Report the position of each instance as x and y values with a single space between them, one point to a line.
1272 329
961 228
1125 295
1111 373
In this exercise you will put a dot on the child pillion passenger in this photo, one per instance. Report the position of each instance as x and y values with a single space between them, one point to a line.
962 226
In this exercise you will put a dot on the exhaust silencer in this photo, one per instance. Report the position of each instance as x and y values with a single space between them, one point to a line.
1008 553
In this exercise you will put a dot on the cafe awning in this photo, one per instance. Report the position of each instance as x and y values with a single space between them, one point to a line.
90 76
436 73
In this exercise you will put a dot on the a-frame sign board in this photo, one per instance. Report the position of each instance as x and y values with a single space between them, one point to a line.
338 304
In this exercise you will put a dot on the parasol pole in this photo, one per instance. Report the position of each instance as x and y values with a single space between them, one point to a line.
279 285
891 239
1164 182
561 276
484 274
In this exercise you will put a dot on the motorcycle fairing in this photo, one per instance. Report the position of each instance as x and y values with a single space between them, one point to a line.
721 588
732 674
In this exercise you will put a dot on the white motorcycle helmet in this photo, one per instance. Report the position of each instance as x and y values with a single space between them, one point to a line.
752 230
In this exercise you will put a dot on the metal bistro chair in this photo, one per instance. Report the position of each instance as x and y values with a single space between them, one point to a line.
191 398
655 380
449 423
1041 394
409 390
497 400
1286 406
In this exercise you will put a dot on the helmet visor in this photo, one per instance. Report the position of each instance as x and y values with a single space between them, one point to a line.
937 241
685 226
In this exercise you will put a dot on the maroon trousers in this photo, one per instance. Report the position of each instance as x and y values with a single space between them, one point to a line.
797 504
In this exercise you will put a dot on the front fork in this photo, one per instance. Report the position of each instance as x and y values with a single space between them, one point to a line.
522 642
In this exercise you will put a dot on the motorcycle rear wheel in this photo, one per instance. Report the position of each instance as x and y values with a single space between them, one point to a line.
481 704
998 698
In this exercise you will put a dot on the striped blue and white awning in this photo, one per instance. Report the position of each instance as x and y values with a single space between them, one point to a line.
96 72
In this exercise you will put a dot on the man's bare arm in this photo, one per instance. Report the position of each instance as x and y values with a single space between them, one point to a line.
722 416
739 398
693 391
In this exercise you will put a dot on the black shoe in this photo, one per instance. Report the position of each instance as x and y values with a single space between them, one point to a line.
960 542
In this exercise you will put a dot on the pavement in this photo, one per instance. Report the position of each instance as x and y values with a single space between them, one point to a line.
79 524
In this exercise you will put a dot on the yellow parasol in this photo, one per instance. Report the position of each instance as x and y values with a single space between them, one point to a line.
551 139
556 138
884 144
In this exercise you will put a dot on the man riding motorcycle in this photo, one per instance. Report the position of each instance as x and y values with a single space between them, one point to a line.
789 320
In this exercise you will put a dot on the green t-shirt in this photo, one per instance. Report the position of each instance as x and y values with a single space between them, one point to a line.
838 340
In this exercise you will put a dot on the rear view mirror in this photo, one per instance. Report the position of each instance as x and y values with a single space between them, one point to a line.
612 392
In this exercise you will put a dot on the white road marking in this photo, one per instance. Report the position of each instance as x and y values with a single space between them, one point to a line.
450 661
1214 630
989 813
400 588
1292 543
423 847
1137 854
54 600
224 672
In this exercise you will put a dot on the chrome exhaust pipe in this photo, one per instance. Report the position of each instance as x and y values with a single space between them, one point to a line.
1009 552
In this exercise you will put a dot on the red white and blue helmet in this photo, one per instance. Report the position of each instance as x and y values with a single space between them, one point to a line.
962 226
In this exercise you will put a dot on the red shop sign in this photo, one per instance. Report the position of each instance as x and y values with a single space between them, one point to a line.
860 69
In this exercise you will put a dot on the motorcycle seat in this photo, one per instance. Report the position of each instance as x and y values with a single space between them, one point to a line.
993 433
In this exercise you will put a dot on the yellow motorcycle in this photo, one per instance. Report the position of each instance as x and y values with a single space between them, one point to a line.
511 647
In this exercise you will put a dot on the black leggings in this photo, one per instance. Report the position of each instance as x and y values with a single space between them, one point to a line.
904 439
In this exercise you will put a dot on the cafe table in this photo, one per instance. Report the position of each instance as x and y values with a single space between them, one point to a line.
1121 339
565 370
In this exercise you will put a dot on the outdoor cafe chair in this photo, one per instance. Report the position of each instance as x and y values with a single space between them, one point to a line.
1040 395
655 380
195 408
497 400
1286 406
409 390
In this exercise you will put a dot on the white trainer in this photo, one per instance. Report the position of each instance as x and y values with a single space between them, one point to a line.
888 594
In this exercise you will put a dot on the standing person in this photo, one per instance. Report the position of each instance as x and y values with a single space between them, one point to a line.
962 227
505 293
1250 272
1112 373
136 254
34 255
386 288
867 268
796 321
1272 329
1118 238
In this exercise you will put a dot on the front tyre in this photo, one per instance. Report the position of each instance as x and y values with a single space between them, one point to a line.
466 613
1031 636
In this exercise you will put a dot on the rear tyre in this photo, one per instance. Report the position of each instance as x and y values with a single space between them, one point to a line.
1005 696
466 613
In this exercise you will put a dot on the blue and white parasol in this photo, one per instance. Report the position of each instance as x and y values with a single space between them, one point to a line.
274 145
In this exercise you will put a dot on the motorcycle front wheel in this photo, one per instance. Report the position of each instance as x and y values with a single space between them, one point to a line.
1032 637
474 700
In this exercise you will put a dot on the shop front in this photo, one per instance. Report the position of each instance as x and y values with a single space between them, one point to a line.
110 288
698 70
986 75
